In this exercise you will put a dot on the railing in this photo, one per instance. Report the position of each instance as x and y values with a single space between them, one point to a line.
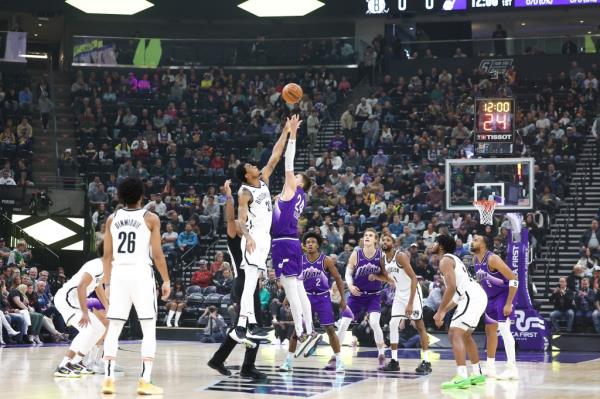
42 254
542 45
153 52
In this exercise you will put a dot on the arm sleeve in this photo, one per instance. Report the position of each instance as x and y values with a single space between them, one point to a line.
290 152
348 276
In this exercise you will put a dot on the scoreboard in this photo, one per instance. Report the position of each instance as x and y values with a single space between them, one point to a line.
494 125
393 7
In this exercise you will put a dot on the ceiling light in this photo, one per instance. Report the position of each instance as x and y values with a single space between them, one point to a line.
40 25
280 8
523 23
35 34
120 7
41 56
581 21
589 32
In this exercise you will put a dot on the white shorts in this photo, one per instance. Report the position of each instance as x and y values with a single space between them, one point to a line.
69 309
258 258
401 300
471 306
132 285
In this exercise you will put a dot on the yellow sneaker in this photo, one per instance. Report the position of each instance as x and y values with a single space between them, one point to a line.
147 388
108 386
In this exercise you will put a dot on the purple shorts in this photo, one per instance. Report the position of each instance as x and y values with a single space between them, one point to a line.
94 303
286 255
321 305
369 302
494 312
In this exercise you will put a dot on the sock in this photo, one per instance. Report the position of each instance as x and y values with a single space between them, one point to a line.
147 370
395 354
64 362
289 357
170 316
462 371
77 359
491 362
425 355
109 369
476 369
509 342
177 316
381 351
337 357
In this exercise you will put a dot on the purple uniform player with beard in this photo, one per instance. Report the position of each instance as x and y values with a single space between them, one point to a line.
363 265
286 251
500 285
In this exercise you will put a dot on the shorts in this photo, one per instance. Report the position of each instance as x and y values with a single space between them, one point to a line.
258 258
286 254
471 306
494 311
369 302
401 300
94 303
67 307
321 305
132 285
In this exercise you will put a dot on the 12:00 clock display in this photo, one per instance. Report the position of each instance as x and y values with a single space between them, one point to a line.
494 115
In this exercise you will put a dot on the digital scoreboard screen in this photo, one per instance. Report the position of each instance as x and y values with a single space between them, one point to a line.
494 124
392 7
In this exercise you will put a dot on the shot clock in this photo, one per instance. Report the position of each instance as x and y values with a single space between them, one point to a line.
494 125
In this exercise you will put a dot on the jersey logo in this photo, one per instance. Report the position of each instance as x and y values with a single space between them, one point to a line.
282 263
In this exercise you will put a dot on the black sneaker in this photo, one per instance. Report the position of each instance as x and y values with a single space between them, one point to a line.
392 366
424 368
220 367
252 372
64 372
80 368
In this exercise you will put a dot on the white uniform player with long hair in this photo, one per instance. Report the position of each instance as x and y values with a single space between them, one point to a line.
132 243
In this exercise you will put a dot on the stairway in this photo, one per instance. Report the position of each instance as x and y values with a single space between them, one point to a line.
578 217
45 167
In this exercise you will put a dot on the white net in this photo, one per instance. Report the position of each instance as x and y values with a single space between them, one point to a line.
486 211
516 222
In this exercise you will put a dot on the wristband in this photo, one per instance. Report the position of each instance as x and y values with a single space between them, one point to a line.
513 283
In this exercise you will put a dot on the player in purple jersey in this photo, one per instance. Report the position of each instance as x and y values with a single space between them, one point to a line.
364 290
315 270
500 285
286 251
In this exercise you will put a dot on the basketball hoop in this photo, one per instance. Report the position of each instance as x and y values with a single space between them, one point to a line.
486 211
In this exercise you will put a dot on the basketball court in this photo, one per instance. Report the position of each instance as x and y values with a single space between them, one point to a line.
181 369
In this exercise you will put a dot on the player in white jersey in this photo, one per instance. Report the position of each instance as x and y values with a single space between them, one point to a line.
71 302
470 300
408 303
255 213
132 243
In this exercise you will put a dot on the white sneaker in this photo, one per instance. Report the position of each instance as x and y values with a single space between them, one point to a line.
339 367
169 324
490 371
176 324
510 373
98 368
286 366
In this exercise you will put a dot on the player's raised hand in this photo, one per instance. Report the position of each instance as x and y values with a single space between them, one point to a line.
294 122
165 290
227 187
353 290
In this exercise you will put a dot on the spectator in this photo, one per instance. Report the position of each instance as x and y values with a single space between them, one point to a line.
176 303
26 99
157 205
187 239
99 197
20 255
585 303
223 280
6 179
591 240
569 47
203 278
211 214
563 301
574 279
100 215
215 326
313 124
347 121
370 131
218 263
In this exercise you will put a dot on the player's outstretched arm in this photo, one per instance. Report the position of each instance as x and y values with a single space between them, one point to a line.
349 270
267 171
496 263
447 270
243 202
229 210
289 188
107 258
333 271
157 253
403 260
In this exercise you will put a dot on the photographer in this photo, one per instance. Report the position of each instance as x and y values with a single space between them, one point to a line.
215 326
563 300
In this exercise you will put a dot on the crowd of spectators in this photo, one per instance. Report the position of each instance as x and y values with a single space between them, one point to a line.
18 105
27 313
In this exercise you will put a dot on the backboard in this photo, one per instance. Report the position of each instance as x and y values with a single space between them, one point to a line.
508 181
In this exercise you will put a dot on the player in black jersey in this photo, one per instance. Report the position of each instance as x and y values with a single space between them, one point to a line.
234 240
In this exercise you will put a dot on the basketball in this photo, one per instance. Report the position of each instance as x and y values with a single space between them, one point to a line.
292 93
